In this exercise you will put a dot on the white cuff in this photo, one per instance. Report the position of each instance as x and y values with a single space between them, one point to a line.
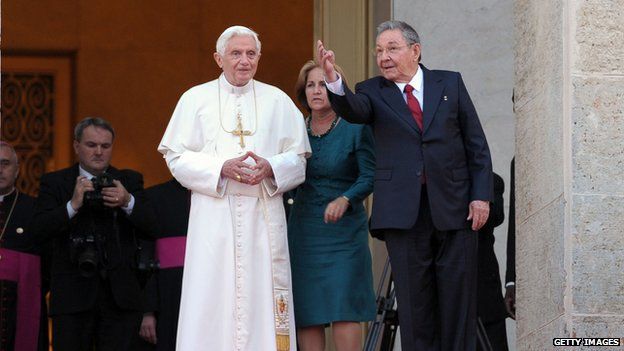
336 87
509 284
128 209
70 210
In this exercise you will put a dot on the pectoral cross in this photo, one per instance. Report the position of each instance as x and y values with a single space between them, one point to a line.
239 132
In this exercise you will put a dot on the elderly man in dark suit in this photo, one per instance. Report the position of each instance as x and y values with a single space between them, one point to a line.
90 212
433 184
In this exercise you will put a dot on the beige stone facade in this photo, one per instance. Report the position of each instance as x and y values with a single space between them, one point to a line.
569 68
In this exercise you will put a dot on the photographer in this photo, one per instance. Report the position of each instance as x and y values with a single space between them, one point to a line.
90 212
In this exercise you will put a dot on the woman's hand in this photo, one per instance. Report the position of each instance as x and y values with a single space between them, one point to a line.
336 209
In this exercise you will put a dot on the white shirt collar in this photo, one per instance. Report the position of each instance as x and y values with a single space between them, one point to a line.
233 89
84 173
416 82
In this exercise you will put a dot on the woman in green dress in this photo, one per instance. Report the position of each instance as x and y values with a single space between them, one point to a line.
328 225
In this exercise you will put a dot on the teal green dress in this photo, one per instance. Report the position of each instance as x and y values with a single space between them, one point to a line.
331 263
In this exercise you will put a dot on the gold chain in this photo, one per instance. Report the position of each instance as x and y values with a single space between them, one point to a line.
238 116
6 222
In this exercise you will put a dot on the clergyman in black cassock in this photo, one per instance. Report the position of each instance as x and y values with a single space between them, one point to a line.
171 203
22 311
20 241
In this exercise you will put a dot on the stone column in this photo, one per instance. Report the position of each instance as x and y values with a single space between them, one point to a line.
569 88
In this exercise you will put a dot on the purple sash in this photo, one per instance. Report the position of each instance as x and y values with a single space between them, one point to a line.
170 251
25 269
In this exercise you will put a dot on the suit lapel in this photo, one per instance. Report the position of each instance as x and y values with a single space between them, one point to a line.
114 172
394 98
433 88
70 180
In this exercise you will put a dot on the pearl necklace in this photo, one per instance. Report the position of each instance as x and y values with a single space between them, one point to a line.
311 133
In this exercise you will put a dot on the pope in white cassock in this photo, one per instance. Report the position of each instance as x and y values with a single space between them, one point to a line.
238 144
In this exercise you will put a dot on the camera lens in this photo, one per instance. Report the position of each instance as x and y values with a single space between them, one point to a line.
87 263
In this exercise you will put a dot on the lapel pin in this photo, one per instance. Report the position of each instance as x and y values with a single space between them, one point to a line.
445 98
19 230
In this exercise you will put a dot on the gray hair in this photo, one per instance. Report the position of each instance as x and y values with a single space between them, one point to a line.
11 149
409 34
235 31
92 121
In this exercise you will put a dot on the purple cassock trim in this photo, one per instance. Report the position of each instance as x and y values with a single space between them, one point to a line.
25 269
170 251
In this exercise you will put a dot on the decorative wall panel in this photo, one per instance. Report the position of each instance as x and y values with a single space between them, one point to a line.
28 123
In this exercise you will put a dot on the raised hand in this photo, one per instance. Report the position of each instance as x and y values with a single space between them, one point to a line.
327 60
237 169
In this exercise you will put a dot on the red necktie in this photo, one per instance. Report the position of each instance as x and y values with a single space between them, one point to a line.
414 106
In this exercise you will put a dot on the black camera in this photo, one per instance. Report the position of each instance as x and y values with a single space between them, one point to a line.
84 251
94 199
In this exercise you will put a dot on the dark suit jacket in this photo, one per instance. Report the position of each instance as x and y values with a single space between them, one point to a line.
452 152
70 292
490 304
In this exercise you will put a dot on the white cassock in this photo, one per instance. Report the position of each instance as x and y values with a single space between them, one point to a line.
236 290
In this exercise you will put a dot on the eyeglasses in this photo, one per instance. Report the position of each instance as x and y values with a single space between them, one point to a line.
390 50
237 55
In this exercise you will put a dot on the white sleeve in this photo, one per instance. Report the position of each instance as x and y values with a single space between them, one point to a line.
182 147
288 170
128 209
70 210
336 87
290 164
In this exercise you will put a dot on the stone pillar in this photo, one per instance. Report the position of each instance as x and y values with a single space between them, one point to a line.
569 92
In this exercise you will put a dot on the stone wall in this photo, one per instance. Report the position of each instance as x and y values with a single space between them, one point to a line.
570 175
596 120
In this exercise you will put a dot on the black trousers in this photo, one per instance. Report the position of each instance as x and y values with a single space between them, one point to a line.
105 327
435 277
497 334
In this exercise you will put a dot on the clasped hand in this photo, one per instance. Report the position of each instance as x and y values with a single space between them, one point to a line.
239 170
